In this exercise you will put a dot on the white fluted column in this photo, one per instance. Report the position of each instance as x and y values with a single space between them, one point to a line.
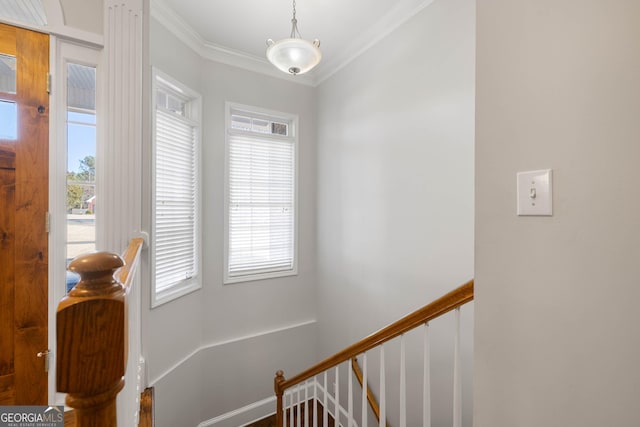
119 165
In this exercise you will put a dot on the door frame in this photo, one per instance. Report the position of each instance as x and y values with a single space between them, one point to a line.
63 52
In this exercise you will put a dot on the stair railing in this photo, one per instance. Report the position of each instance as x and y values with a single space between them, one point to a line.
92 334
298 401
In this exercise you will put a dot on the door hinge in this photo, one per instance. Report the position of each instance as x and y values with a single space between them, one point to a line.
47 221
49 83
45 355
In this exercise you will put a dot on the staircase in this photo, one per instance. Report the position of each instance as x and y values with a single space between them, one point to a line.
328 388
92 331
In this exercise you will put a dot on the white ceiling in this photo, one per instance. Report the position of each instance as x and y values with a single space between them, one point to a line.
235 31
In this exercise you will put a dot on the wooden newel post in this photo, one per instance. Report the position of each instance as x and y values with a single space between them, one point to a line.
92 340
277 381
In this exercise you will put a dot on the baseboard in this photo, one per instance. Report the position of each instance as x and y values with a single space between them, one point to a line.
264 408
245 415
251 413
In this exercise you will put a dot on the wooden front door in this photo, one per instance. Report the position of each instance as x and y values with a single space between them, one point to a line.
24 174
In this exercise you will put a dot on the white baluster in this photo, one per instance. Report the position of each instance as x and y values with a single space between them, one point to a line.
350 396
298 420
315 401
306 403
457 377
291 410
364 390
426 380
285 405
383 390
337 395
325 402
403 384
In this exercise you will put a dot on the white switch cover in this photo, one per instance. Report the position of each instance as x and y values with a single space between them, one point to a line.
535 193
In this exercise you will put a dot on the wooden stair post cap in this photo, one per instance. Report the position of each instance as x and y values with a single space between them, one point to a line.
96 271
94 262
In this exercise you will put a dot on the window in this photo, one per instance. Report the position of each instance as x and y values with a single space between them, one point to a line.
261 210
176 195
8 107
81 163
76 130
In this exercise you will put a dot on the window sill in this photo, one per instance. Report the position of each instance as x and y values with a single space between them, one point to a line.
173 293
228 280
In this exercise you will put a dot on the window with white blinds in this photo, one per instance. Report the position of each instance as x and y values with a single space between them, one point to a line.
260 195
176 216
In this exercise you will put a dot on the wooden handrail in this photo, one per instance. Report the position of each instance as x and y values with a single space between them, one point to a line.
370 397
131 257
92 335
437 308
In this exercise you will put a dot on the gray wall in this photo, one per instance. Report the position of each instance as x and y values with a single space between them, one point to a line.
395 182
224 327
556 297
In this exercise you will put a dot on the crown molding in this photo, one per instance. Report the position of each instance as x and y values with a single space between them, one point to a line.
367 39
400 14
211 51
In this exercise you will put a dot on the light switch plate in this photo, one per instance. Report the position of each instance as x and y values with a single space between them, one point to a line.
535 196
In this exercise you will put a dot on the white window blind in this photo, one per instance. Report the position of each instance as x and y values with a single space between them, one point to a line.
176 217
261 201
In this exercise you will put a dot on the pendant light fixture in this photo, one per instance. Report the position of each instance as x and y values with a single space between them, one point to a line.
294 55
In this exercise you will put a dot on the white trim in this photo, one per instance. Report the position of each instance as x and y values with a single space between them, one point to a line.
366 40
243 416
293 119
253 412
226 342
62 52
74 34
194 100
57 206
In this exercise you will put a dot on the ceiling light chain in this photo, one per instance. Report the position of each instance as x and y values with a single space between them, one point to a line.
294 23
294 55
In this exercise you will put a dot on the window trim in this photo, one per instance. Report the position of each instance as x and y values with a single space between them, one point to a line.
194 100
230 107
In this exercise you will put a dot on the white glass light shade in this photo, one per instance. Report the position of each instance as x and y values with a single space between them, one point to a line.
294 56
